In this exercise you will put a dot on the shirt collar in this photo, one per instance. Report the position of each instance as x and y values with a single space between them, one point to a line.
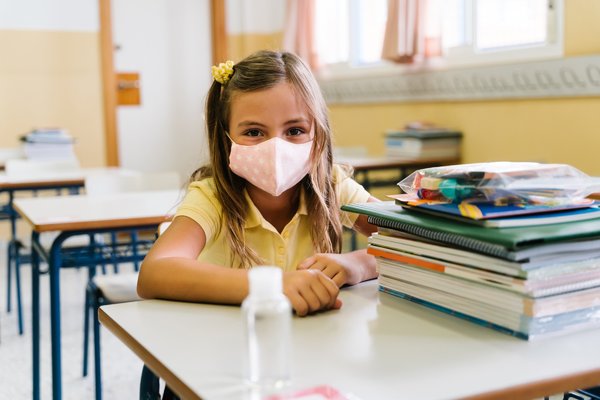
255 218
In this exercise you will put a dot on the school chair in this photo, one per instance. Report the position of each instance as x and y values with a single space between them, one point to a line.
150 387
102 290
121 287
106 183
10 153
15 168
589 393
149 382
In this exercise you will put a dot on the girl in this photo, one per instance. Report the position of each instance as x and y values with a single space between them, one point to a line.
271 196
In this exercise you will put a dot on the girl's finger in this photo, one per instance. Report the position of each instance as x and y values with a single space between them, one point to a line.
309 296
307 263
298 304
323 294
331 287
339 278
338 304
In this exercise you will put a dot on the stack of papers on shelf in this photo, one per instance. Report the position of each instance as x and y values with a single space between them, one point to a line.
425 143
528 280
48 143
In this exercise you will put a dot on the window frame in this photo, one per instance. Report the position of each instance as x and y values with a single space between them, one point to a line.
457 57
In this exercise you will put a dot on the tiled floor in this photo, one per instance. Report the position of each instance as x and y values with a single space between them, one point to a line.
121 368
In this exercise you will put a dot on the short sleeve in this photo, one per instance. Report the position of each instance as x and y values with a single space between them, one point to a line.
348 191
202 206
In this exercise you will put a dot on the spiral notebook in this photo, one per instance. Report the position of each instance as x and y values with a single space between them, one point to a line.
508 243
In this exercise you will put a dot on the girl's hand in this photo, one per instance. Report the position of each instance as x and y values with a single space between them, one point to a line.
339 267
310 291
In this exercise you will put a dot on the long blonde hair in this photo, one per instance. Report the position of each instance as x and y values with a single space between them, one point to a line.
259 71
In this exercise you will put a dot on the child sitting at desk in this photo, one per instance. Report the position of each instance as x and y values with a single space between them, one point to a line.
270 196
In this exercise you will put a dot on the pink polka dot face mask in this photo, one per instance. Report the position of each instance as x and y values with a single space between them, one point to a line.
274 165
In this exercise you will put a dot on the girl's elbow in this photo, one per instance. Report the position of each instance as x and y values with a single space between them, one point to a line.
143 285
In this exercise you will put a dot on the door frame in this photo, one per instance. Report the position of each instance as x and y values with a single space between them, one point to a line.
109 76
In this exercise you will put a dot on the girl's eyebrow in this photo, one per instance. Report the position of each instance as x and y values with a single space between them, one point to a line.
251 123
289 122
297 120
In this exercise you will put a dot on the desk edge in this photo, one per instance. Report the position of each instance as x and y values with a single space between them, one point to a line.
152 362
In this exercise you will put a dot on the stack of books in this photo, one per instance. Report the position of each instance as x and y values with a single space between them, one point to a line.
535 273
423 144
48 144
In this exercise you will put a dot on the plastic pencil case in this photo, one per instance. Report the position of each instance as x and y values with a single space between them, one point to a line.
501 183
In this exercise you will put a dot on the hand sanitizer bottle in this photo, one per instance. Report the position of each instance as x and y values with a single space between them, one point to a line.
267 317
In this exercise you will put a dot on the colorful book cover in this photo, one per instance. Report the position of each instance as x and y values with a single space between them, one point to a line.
506 216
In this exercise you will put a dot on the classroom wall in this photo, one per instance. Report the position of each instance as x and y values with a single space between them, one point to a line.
50 72
563 130
253 26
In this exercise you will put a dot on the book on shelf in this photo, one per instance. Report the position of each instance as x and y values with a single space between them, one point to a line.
48 143
48 136
505 243
502 216
423 143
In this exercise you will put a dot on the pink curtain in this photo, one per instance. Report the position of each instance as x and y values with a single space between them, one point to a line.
407 38
299 31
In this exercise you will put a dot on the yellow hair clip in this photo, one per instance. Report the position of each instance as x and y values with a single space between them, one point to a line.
222 72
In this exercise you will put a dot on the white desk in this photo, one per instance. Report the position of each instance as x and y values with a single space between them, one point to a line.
375 347
11 184
72 179
80 215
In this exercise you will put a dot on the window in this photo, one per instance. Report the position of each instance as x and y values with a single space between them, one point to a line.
493 31
337 44
472 32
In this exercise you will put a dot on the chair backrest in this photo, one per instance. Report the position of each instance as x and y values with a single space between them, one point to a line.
25 167
161 181
120 181
10 153
111 182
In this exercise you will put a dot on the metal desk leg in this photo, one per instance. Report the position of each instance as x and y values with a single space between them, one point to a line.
9 257
54 264
17 265
35 314
12 246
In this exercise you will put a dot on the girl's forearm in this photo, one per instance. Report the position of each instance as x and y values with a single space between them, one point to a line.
183 279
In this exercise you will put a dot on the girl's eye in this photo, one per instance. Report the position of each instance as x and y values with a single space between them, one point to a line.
295 132
253 133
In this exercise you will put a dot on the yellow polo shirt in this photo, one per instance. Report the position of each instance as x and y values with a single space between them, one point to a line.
286 249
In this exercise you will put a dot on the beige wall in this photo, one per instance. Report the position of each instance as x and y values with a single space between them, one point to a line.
561 130
52 78
244 44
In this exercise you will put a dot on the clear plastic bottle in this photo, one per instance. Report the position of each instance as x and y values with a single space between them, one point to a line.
267 317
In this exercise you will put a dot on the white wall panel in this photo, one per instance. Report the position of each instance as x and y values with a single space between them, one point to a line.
168 43
54 15
255 16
